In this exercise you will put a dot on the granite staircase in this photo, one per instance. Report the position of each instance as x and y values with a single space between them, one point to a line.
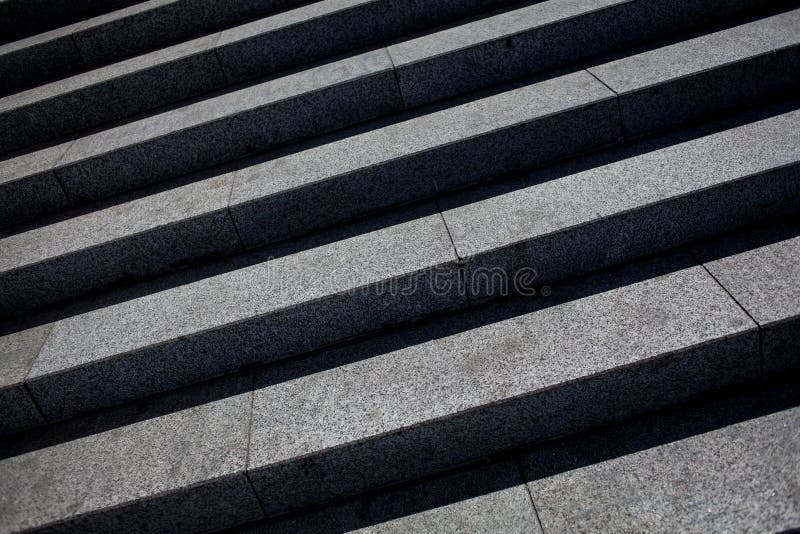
443 265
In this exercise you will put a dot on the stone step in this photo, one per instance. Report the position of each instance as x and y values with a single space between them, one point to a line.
344 92
761 269
108 37
387 409
189 69
199 135
403 267
155 233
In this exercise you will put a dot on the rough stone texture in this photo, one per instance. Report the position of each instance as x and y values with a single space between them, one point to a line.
230 125
763 278
486 500
28 186
148 25
142 237
19 18
171 464
416 158
558 223
109 93
747 64
606 348
740 477
267 311
322 29
37 59
18 349
537 38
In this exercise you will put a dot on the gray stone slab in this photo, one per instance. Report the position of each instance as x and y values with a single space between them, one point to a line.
746 64
558 223
171 464
735 478
323 29
486 499
18 349
135 239
763 278
291 304
37 59
416 158
599 350
539 37
149 25
109 93
29 187
229 126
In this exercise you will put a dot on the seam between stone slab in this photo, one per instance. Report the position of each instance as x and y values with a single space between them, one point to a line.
249 441
632 210
437 147
759 325
503 36
462 275
215 50
396 78
30 367
521 471
719 66
246 319
205 123
512 398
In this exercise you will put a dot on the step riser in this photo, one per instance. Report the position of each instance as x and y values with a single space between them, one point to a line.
227 349
91 171
146 89
120 34
539 47
568 409
648 230
19 18
204 66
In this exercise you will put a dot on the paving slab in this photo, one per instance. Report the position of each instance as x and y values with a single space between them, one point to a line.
171 464
109 93
29 187
607 348
559 223
229 126
18 349
143 237
418 157
486 499
539 37
270 310
763 278
323 29
746 64
737 477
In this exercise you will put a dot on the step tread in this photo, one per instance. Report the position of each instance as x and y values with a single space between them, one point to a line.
733 478
137 464
549 201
